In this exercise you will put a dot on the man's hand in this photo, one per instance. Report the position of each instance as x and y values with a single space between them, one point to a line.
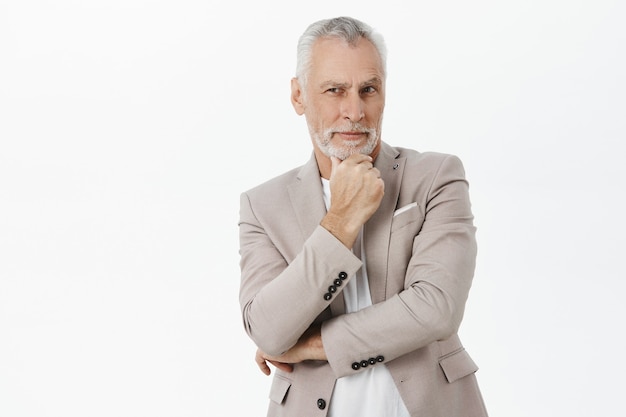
356 192
261 359
309 347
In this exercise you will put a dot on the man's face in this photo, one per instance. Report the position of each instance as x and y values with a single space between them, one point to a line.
344 99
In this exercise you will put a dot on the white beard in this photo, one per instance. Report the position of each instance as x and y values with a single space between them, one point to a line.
345 148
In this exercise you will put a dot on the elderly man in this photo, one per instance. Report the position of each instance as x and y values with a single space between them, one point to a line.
356 266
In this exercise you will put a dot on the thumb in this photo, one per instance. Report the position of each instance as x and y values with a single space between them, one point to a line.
335 163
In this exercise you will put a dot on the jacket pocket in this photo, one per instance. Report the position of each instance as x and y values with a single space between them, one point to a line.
411 214
280 388
457 364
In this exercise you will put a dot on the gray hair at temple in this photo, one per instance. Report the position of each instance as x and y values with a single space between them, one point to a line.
346 28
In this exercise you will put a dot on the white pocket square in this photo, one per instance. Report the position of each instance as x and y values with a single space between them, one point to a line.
403 209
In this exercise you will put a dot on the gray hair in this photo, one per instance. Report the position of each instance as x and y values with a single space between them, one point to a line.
346 28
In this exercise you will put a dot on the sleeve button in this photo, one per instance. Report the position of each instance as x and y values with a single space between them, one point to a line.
328 296
342 275
356 366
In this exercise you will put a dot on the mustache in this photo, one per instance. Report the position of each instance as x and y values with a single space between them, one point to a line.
353 127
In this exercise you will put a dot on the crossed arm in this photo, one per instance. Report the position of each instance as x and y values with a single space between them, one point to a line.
437 281
308 347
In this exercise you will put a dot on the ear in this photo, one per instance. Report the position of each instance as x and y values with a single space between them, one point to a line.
297 96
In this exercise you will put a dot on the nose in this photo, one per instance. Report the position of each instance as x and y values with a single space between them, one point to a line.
352 108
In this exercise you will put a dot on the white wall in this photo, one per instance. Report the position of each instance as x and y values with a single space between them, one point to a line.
128 128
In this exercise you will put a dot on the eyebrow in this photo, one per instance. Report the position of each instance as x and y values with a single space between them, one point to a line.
372 81
335 84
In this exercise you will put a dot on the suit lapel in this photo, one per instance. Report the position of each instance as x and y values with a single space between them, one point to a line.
377 230
307 198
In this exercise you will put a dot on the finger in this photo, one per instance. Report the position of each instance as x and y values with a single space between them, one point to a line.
264 368
334 165
365 166
285 367
365 161
260 361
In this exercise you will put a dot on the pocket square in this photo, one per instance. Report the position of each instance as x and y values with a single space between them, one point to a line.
403 209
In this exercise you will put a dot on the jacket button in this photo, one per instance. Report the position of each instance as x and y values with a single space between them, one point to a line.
380 358
364 364
321 404
337 282
372 361
342 275
356 366
332 289
328 296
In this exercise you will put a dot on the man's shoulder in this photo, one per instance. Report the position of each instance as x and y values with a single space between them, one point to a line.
428 164
275 184
423 159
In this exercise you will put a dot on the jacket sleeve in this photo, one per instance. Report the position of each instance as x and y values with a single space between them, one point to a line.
436 282
280 299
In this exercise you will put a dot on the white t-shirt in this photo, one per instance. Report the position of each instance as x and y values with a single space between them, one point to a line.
371 392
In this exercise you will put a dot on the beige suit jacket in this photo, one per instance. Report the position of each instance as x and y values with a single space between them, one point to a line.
420 249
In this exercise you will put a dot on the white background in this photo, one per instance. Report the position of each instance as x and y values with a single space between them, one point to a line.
128 129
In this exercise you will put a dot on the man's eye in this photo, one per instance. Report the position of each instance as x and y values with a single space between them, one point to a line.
368 90
334 90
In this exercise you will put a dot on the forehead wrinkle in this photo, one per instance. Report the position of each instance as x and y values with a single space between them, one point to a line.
372 81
